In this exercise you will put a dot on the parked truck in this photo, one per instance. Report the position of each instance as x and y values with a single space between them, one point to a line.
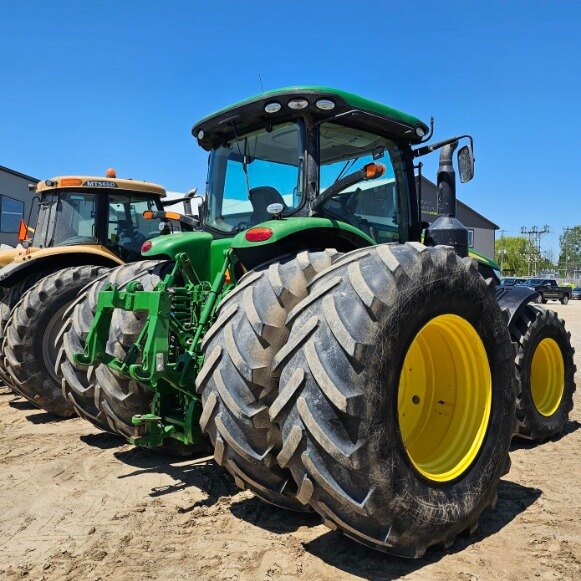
549 290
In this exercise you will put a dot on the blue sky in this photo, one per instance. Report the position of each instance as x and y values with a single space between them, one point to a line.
89 85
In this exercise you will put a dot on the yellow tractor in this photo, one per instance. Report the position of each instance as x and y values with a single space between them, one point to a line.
85 225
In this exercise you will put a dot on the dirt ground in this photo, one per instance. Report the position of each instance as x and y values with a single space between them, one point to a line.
77 503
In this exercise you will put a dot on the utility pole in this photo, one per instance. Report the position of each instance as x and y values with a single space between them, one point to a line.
565 248
534 234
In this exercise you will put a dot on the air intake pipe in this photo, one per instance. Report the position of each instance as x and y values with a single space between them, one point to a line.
447 229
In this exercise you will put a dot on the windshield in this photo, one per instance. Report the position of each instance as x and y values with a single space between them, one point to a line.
66 218
250 173
375 206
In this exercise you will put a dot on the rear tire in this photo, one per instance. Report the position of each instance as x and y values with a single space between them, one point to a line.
545 397
106 399
236 382
7 303
565 300
367 405
29 344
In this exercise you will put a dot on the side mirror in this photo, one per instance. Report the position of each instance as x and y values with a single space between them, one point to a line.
465 163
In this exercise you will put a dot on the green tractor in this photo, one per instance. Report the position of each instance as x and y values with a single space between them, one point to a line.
342 356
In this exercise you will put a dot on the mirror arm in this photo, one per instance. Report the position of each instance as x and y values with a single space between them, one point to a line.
421 151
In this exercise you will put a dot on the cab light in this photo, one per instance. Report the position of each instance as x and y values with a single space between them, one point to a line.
258 234
325 104
273 107
71 182
298 104
146 247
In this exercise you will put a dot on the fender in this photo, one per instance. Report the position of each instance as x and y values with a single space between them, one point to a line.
204 251
291 235
514 298
53 259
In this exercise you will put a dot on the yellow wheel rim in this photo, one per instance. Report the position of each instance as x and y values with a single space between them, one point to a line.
445 397
547 377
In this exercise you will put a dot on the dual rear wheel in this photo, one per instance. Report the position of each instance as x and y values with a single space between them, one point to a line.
394 405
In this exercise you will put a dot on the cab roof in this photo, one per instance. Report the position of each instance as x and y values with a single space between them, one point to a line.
215 129
98 183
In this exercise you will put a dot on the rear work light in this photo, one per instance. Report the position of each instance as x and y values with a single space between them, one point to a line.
258 234
146 247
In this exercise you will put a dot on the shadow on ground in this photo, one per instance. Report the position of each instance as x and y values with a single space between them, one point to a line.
42 417
520 444
21 404
273 519
348 556
103 440
200 472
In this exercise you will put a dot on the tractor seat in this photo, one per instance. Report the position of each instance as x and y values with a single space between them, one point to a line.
260 198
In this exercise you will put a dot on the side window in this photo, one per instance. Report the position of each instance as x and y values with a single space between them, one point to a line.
11 212
127 230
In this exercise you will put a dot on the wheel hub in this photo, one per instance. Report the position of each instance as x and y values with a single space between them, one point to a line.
445 397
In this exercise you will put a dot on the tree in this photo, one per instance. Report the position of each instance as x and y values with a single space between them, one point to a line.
570 250
518 257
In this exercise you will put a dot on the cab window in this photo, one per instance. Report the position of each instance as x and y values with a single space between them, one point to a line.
127 229
378 207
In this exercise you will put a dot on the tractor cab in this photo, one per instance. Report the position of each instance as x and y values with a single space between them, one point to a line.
312 151
95 211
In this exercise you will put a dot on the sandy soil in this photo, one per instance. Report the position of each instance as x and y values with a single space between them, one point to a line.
76 503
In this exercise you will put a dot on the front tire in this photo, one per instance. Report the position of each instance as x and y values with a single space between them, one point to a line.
546 371
30 335
8 301
396 398
565 300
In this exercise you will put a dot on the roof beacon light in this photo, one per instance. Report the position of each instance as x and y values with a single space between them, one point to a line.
273 107
325 104
298 104
110 173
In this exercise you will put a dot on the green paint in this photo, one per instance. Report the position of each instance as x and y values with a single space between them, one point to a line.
205 253
483 259
355 101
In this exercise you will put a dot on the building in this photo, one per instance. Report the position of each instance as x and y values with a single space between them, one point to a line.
16 202
481 231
